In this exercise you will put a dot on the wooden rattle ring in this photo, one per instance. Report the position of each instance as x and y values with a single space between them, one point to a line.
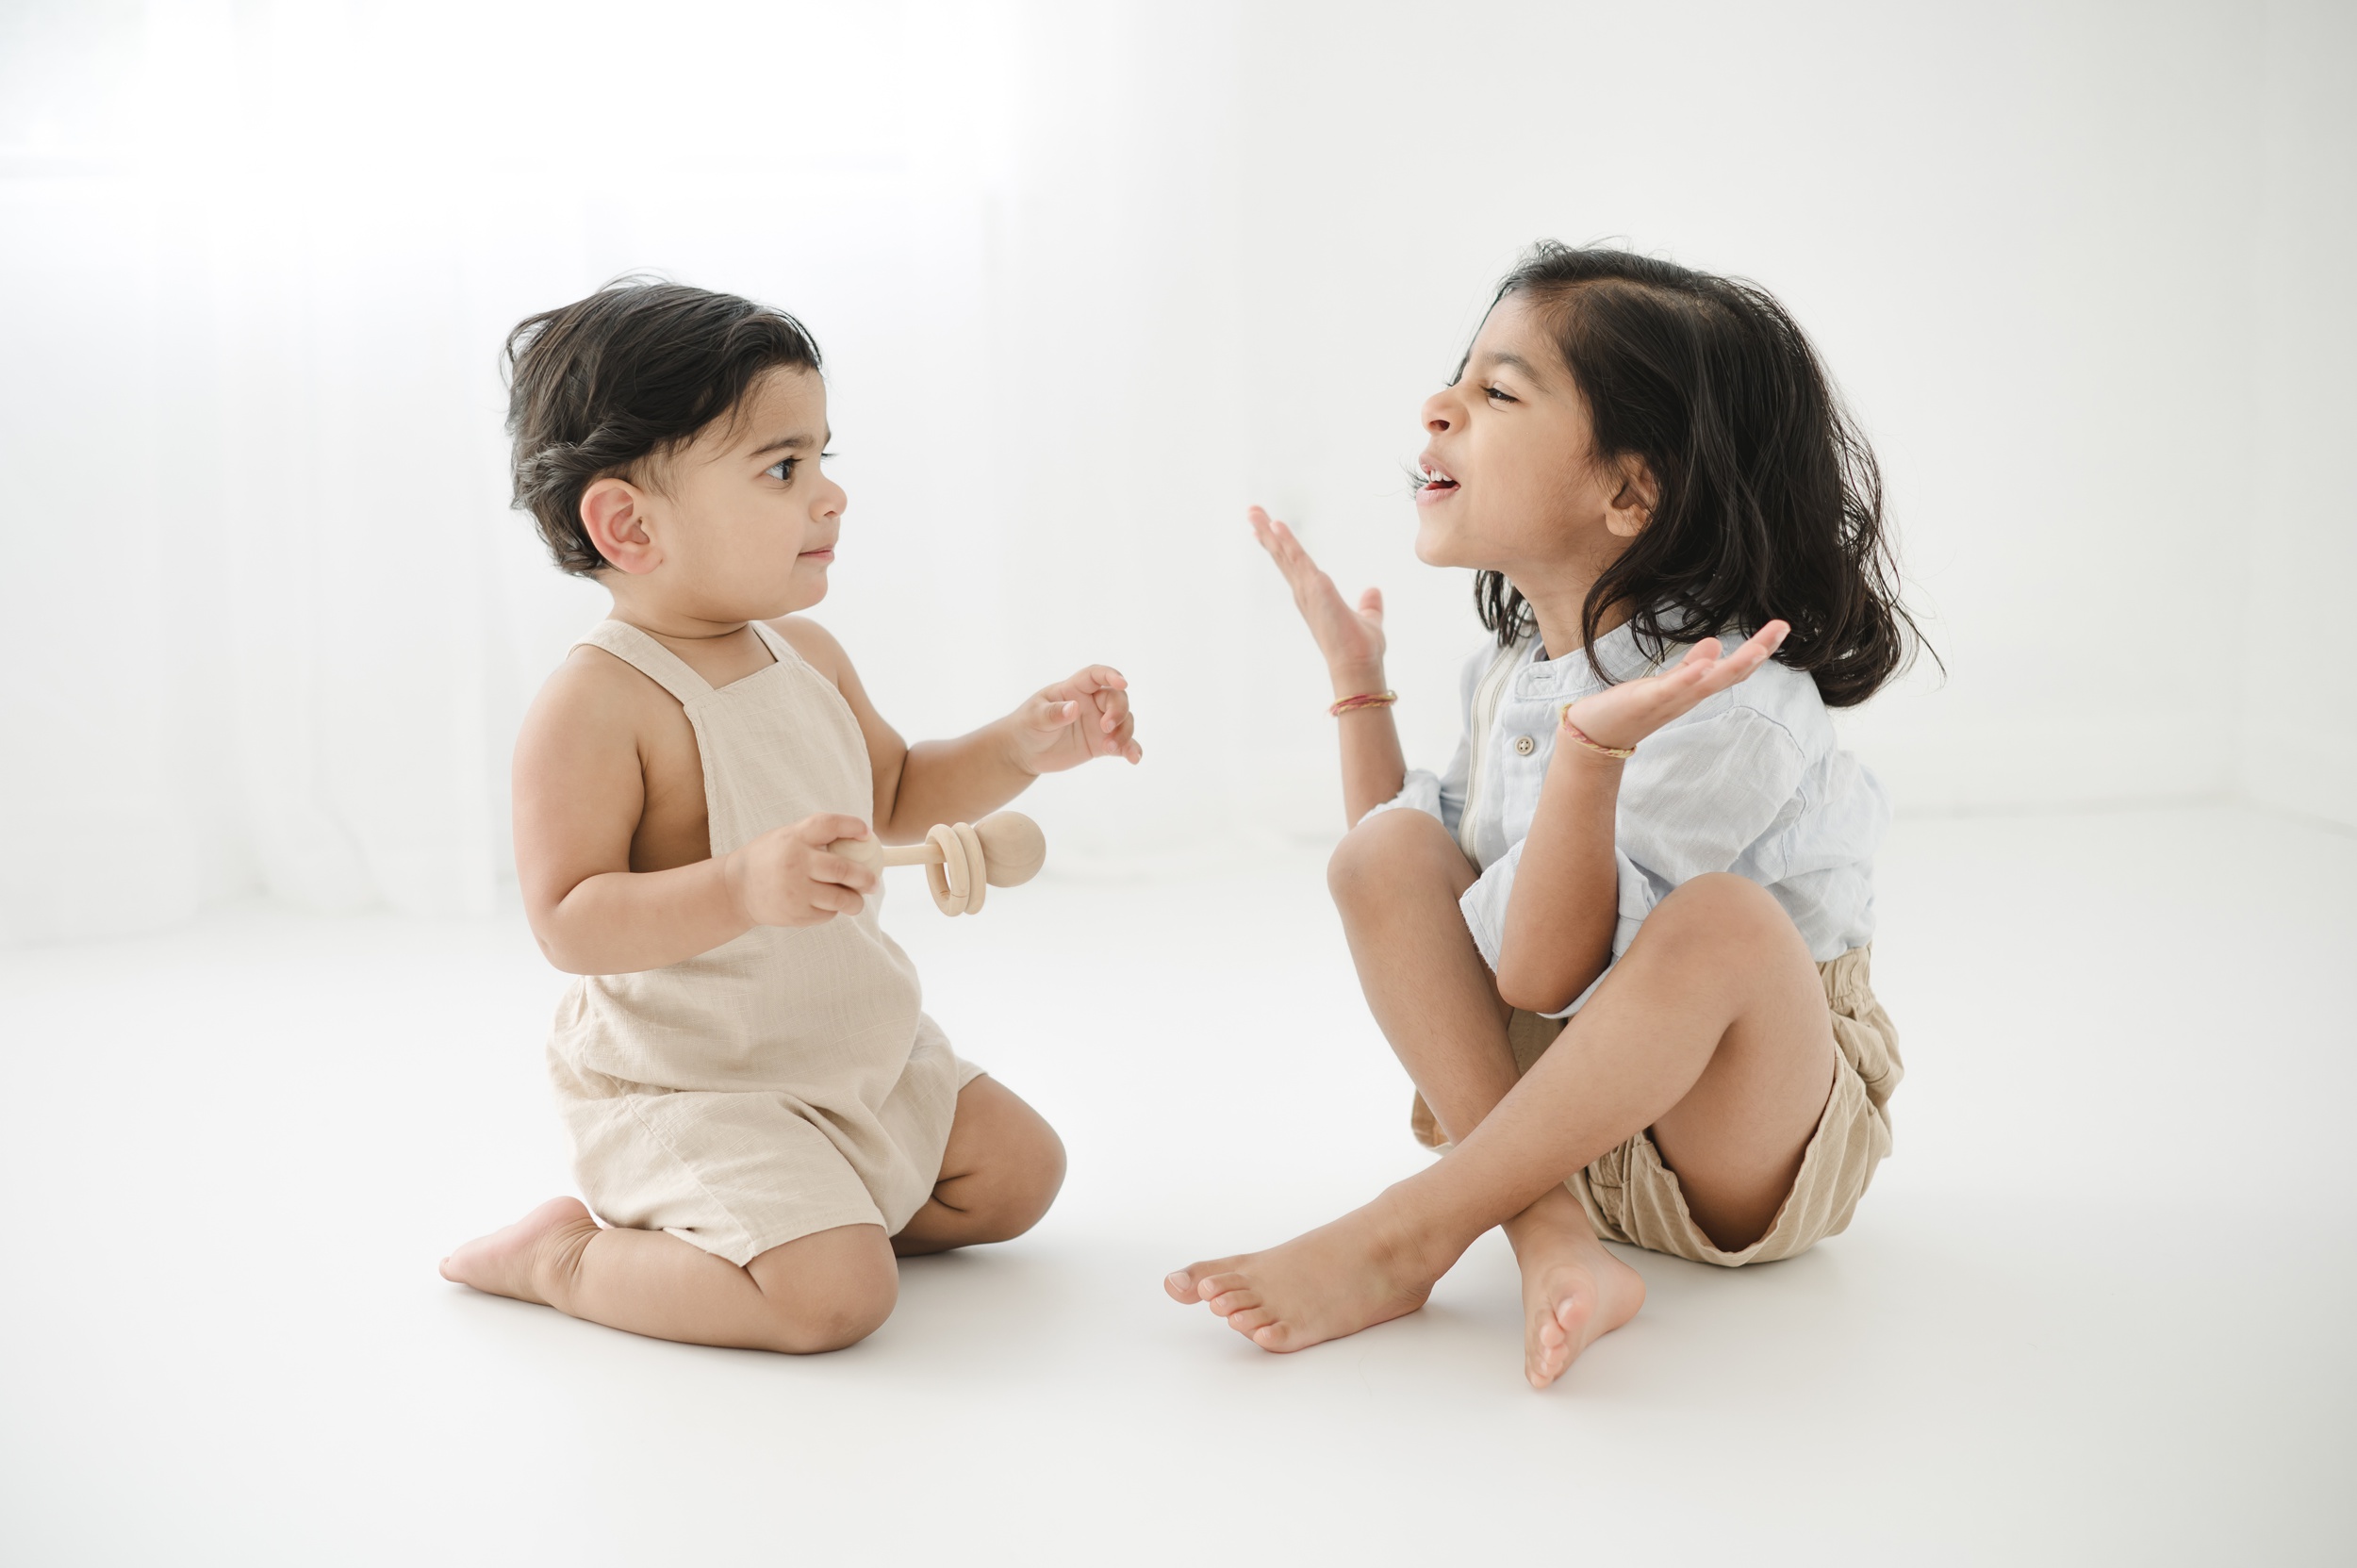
960 879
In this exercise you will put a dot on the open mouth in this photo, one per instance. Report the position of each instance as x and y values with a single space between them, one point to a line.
1434 481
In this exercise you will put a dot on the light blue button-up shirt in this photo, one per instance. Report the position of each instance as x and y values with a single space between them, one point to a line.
1749 781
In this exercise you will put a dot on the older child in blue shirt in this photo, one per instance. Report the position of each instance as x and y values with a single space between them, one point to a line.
1644 832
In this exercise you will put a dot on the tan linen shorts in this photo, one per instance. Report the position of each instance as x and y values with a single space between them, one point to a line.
1632 1196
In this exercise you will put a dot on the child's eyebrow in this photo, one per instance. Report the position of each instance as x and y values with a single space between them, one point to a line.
1497 356
786 443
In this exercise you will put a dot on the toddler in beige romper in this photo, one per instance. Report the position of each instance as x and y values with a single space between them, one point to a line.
763 1120
786 1081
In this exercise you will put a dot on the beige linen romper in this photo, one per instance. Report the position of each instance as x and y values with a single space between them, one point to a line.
785 1082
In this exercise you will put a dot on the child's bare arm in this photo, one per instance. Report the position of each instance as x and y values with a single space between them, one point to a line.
1561 915
580 801
1374 768
963 780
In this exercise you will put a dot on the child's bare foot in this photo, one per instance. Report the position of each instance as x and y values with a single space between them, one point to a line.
506 1262
1362 1270
1573 1290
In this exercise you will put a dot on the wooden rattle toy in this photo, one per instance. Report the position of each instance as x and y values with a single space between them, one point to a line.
1004 850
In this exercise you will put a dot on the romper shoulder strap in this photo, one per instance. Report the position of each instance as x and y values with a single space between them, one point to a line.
775 641
649 657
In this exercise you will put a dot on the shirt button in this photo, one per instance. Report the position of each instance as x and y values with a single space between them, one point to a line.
1523 745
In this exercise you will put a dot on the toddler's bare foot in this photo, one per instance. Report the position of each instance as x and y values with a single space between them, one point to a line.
1362 1270
507 1262
1573 1290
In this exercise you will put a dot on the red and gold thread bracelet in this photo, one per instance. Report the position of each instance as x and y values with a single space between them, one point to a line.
1365 699
1596 746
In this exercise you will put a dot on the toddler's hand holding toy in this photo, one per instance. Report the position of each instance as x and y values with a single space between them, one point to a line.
792 876
1613 720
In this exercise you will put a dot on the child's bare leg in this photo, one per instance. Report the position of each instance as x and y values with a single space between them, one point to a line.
821 1291
1002 1169
1711 1031
1396 880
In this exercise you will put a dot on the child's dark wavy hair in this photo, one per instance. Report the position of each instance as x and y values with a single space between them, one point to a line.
596 386
1770 503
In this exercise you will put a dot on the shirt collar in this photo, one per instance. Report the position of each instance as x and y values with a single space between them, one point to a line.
1539 678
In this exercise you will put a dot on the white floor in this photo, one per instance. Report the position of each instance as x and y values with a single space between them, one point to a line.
2095 1310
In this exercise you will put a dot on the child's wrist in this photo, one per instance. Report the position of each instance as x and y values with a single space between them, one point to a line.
1580 743
1358 680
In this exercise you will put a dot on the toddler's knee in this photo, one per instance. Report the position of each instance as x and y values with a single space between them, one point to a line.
1031 1192
1021 1191
835 1312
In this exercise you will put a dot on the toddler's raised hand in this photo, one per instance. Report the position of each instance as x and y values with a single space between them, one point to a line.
1626 713
1351 639
785 877
1064 725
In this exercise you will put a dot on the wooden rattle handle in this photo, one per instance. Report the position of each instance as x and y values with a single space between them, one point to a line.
1005 849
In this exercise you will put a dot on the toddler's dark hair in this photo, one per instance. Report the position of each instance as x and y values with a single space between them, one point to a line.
1770 503
596 386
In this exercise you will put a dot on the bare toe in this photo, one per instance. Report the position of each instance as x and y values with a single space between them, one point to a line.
1276 1336
1228 1303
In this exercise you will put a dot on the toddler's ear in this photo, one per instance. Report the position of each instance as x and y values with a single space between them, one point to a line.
612 512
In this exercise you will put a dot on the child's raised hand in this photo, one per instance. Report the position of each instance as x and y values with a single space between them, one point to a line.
1624 715
1064 725
1350 639
785 877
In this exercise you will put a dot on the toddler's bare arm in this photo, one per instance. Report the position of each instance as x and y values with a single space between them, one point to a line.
965 779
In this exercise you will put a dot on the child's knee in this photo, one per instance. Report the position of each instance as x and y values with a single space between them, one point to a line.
1719 908
1032 1185
831 1300
1382 849
1022 1188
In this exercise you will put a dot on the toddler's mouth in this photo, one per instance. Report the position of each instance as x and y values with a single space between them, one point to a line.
1433 481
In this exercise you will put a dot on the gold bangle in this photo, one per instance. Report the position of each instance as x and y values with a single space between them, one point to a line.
1365 699
1596 746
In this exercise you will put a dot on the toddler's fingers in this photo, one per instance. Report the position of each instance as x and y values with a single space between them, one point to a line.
825 828
1097 677
1051 713
828 900
1371 606
840 872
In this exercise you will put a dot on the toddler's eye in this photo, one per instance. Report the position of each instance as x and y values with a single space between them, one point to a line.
783 469
1497 393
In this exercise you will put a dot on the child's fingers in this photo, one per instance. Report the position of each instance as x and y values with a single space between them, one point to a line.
1119 741
825 828
1371 606
1756 651
1110 708
1051 713
828 898
836 871
1097 677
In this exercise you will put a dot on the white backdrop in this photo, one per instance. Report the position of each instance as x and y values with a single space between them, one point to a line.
1089 278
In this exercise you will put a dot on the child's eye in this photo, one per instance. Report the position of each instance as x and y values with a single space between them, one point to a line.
1497 393
783 469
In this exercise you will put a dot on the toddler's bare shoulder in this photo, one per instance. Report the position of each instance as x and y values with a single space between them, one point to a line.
816 644
594 701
